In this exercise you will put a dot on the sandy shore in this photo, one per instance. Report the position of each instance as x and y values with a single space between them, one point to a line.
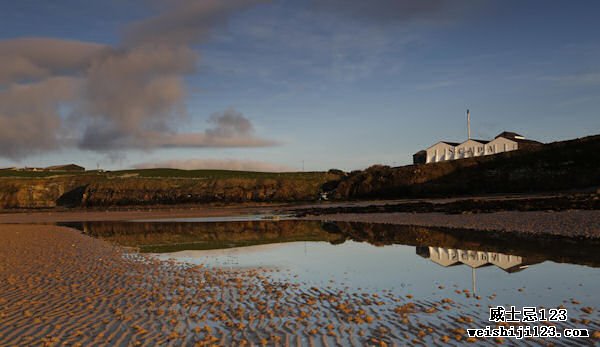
572 223
59 287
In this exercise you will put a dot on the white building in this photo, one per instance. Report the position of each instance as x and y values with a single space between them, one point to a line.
441 151
508 141
504 142
470 148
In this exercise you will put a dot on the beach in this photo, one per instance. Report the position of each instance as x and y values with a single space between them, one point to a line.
60 287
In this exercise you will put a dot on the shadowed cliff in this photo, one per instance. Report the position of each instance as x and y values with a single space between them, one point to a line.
157 187
562 165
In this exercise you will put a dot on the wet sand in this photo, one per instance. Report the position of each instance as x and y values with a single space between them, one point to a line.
60 287
573 223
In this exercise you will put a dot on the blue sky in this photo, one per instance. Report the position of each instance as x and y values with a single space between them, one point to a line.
346 90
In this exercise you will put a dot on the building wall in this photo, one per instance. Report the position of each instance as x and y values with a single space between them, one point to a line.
420 157
440 152
469 148
499 145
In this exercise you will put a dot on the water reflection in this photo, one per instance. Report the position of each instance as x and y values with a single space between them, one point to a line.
446 247
448 257
166 237
451 257
414 260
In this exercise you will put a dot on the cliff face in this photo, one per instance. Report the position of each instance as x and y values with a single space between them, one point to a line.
137 191
557 166
37 193
104 190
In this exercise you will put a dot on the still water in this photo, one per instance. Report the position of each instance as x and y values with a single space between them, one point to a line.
428 263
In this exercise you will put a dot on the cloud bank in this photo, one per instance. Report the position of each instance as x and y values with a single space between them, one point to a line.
56 93
217 164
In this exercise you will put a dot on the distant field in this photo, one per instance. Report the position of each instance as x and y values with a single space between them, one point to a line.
217 174
167 173
41 174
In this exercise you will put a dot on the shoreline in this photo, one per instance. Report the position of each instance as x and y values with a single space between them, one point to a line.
563 221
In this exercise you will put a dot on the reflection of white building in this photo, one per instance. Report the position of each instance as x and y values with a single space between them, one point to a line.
504 142
450 257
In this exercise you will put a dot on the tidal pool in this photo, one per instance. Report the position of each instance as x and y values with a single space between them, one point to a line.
427 263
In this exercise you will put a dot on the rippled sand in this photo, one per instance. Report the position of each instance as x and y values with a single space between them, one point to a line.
59 287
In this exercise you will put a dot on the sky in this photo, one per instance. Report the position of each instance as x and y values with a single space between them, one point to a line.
287 85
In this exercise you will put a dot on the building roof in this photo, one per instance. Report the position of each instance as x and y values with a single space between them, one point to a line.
445 142
510 135
530 142
476 140
517 138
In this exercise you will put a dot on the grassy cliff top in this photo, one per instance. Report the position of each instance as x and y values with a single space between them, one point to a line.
165 173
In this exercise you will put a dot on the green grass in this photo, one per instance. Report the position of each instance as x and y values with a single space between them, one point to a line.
41 174
211 174
168 173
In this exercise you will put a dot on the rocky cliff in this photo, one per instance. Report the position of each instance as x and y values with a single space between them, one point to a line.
102 190
557 166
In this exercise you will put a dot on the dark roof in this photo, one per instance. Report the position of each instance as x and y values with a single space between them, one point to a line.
481 141
509 135
446 142
517 138
525 141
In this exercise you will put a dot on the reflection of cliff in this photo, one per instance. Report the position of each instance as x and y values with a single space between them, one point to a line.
535 249
173 236
476 259
482 247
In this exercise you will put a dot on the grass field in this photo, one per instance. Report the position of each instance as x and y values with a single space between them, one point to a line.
166 173
41 174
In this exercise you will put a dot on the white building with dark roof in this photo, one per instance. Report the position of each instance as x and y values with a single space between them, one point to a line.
508 141
441 151
504 142
470 148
